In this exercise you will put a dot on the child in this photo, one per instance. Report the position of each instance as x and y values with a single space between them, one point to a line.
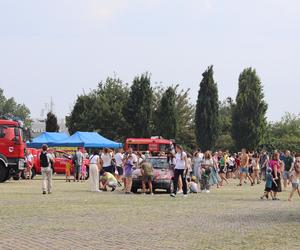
205 179
268 186
193 186
68 172
294 177
83 172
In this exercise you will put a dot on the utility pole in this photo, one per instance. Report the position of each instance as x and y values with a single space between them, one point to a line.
51 105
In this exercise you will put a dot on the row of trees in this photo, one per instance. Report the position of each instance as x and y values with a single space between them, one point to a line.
118 111
236 125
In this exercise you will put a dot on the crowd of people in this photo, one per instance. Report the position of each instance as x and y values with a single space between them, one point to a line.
193 173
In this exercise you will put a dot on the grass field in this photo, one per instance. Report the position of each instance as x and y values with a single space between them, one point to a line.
73 218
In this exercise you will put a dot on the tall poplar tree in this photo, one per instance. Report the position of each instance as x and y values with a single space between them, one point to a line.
138 109
51 123
249 113
166 114
207 112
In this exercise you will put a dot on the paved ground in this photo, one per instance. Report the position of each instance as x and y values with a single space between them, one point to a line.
73 218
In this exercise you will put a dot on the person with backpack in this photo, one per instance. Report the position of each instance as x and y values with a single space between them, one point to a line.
45 161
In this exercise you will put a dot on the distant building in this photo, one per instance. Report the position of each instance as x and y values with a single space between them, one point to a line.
39 126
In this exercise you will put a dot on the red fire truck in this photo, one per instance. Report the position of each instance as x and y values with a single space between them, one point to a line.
154 144
12 149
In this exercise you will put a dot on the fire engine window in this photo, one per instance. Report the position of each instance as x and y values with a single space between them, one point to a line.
164 147
143 147
2 132
7 133
133 146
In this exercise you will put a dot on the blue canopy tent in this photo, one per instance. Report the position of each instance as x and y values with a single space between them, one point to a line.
88 140
49 138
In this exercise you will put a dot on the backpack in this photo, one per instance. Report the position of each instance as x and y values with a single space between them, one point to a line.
44 160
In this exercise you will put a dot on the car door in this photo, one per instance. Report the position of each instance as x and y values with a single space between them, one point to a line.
60 163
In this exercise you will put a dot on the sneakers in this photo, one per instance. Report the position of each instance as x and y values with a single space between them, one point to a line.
173 195
180 192
207 191
113 189
49 192
44 192
151 194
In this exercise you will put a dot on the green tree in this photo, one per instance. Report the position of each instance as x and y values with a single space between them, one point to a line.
207 111
139 107
51 123
285 134
82 117
249 112
185 115
166 115
9 107
225 140
101 110
111 97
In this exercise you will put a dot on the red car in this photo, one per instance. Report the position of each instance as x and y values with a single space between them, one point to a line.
163 175
61 158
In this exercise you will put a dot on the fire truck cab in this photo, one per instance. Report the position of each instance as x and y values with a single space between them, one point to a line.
12 149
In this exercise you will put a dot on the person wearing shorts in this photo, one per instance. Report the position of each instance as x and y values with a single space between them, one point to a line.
147 176
288 162
106 158
244 174
119 157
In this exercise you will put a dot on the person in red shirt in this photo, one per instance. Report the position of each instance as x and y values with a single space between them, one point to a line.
275 165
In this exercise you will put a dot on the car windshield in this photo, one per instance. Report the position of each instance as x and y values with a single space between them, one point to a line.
159 163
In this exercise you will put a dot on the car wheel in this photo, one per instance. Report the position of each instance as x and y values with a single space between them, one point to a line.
16 177
171 188
4 173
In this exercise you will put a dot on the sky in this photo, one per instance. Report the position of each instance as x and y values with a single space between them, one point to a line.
62 48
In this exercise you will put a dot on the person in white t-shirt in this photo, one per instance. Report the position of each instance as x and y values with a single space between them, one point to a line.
180 170
134 157
106 159
119 158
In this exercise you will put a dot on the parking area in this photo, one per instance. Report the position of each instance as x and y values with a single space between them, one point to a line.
73 218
